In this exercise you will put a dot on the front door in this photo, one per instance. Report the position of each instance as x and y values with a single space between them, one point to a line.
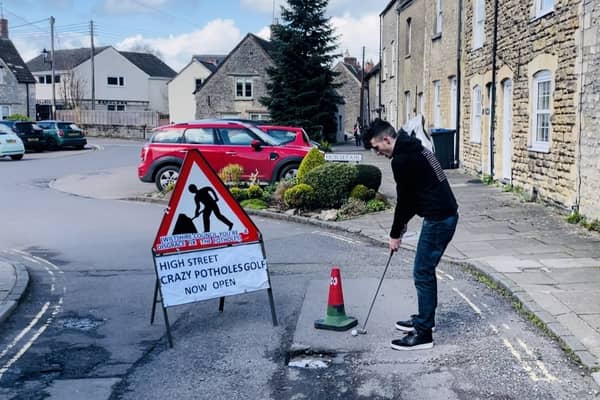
507 132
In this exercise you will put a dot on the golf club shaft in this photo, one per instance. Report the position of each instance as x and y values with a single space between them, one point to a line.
377 291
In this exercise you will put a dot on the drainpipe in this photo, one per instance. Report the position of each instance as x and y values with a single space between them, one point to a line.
458 86
27 100
493 100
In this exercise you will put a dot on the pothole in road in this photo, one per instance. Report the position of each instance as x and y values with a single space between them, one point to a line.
307 358
81 324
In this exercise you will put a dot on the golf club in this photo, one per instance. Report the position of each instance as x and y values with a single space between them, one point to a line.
363 330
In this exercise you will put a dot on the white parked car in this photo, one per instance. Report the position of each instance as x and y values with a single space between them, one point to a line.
10 144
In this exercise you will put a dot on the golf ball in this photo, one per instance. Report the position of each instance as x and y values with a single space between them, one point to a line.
354 332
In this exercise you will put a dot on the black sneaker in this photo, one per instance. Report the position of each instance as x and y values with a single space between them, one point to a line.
407 326
414 341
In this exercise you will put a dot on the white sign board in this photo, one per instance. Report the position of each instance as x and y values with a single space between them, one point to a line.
207 274
343 157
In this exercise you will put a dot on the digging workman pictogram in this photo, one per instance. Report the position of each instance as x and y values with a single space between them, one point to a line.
208 198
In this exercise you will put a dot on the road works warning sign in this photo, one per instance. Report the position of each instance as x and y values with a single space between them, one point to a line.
206 245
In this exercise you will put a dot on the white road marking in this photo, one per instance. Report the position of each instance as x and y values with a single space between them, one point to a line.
549 377
506 327
439 276
545 269
30 342
338 237
447 275
33 260
523 363
496 331
20 252
46 262
469 302
26 329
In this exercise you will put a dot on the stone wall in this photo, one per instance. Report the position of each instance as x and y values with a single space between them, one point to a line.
526 44
350 91
117 131
217 97
14 94
590 126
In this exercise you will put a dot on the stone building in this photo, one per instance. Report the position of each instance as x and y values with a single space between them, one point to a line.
388 25
535 134
588 185
17 84
234 89
349 77
438 101
373 103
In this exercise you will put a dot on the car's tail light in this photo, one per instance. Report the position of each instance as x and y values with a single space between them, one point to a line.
144 153
61 133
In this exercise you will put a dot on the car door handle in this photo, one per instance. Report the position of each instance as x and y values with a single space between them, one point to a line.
230 153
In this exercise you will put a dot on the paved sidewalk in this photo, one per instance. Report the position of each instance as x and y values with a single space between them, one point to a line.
14 279
551 267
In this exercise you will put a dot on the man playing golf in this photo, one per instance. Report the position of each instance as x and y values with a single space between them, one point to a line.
422 189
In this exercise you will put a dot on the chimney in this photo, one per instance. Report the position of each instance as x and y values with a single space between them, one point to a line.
351 61
3 28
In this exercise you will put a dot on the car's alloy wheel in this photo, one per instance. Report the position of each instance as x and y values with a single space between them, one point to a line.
288 172
16 156
166 176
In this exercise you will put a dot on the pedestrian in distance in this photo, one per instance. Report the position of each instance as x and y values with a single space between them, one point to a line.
208 198
357 134
422 189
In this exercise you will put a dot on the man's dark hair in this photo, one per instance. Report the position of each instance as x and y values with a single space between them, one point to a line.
378 129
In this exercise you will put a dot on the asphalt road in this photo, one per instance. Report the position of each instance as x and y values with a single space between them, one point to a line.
83 329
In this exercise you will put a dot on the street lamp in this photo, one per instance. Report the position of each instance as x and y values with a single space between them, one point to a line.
49 59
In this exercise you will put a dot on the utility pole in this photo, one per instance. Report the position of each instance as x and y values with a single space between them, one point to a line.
362 91
93 69
493 99
52 66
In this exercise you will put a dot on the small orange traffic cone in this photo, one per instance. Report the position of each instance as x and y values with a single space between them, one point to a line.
336 319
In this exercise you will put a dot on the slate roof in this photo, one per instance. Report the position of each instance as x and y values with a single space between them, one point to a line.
354 70
13 60
150 64
210 61
63 59
373 71
67 59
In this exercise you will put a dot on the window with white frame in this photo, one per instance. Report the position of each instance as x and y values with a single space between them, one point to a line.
2 78
408 36
420 103
407 106
479 24
436 104
243 88
541 101
438 17
393 48
476 115
114 81
384 63
453 92
543 7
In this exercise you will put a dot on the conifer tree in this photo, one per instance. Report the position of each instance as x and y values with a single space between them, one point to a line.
301 88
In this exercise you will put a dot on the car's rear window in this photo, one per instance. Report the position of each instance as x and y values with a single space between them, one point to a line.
281 136
67 125
166 136
25 127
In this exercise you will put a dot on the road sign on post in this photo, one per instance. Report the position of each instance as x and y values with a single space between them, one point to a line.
206 246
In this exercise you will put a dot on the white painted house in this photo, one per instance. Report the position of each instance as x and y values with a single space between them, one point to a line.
124 81
182 102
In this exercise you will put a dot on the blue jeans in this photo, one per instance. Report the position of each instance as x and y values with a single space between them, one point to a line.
435 236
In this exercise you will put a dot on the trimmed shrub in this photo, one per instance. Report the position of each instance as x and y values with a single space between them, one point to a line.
300 196
369 176
361 192
375 205
352 208
231 174
18 117
256 204
239 194
255 191
311 160
332 183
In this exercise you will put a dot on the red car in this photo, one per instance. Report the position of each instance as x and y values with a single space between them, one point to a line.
222 143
